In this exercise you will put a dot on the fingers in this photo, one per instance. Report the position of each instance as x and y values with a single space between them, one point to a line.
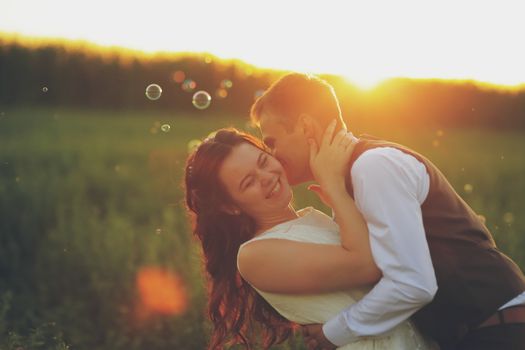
340 137
329 133
313 149
318 191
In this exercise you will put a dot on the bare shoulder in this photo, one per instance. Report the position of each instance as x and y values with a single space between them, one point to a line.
255 254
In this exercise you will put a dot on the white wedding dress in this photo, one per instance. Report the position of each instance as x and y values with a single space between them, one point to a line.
314 226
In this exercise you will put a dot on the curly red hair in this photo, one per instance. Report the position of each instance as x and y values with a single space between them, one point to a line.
236 310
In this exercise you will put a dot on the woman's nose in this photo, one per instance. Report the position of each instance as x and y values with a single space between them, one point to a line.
266 178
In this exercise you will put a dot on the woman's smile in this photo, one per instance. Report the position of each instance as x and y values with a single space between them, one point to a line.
276 189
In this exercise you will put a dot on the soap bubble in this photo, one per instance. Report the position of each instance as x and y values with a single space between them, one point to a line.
201 99
153 92
165 127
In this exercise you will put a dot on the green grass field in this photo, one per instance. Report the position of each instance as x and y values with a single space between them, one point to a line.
87 198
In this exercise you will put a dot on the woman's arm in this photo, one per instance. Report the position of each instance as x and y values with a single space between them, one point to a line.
291 267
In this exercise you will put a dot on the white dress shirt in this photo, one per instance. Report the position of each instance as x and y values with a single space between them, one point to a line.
389 188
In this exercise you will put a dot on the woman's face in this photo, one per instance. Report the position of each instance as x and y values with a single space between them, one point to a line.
256 181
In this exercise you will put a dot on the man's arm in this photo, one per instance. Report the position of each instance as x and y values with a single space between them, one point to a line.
389 188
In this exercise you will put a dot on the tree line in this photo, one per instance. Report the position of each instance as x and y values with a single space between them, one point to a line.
83 76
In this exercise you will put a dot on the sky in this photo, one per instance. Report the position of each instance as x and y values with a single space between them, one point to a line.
365 41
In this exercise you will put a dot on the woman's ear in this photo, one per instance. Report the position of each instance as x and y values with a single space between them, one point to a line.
307 124
231 210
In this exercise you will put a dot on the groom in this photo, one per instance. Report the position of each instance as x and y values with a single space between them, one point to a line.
439 262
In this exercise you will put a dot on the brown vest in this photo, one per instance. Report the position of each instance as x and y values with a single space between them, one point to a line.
474 278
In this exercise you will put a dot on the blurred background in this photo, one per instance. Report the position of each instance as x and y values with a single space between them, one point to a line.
95 246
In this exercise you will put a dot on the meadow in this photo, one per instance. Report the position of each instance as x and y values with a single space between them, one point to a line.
90 198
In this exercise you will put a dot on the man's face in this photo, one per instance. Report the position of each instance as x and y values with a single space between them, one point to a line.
290 148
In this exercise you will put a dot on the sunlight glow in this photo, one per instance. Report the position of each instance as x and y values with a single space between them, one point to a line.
365 41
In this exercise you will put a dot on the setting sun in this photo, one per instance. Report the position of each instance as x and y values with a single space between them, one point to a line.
365 42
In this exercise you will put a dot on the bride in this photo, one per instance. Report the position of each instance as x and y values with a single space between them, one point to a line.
269 267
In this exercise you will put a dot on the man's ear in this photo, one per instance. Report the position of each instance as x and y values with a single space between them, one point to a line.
308 125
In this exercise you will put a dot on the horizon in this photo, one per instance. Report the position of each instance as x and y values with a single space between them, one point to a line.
365 42
89 47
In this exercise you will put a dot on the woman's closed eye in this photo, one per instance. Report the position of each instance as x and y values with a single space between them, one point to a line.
246 182
264 161
249 180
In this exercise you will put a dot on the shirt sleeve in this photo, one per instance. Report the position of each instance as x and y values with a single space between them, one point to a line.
389 188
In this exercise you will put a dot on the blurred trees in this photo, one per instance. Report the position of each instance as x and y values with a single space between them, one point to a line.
86 76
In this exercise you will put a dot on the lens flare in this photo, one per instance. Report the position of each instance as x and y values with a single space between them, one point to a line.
189 85
221 93
179 76
226 84
161 291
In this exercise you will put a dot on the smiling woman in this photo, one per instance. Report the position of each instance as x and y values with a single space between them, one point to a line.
364 41
221 225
